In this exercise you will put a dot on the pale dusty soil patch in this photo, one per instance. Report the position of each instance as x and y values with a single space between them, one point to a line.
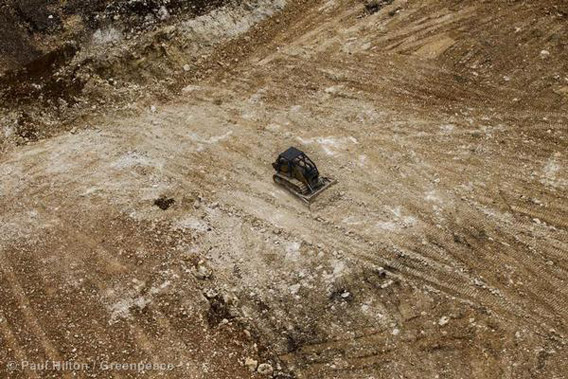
441 250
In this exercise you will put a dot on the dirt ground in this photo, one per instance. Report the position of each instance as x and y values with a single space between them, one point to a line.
148 229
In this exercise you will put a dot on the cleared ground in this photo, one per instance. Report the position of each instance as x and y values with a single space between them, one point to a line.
442 250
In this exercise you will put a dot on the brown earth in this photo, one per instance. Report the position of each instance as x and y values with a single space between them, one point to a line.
441 252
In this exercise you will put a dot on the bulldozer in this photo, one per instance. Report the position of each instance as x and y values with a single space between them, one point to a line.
299 175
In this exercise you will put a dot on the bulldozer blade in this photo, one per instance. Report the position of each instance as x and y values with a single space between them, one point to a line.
307 199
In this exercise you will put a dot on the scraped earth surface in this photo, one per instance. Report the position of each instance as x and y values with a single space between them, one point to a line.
441 252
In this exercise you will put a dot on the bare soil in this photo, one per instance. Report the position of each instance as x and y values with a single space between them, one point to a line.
148 228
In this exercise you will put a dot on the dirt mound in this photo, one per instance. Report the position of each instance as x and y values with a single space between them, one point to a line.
107 65
31 28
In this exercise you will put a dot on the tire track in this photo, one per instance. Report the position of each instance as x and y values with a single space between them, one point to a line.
27 310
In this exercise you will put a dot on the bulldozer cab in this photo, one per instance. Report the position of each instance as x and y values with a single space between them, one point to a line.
296 164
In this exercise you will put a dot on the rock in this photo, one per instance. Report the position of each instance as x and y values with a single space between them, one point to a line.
202 272
478 283
186 67
164 203
381 272
265 369
395 331
153 109
544 54
443 320
163 13
251 364
373 6
211 293
294 288
387 284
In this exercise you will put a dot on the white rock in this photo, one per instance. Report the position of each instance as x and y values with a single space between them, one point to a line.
387 284
203 272
105 36
544 53
186 67
251 363
294 288
163 13
478 283
443 320
265 369
211 293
